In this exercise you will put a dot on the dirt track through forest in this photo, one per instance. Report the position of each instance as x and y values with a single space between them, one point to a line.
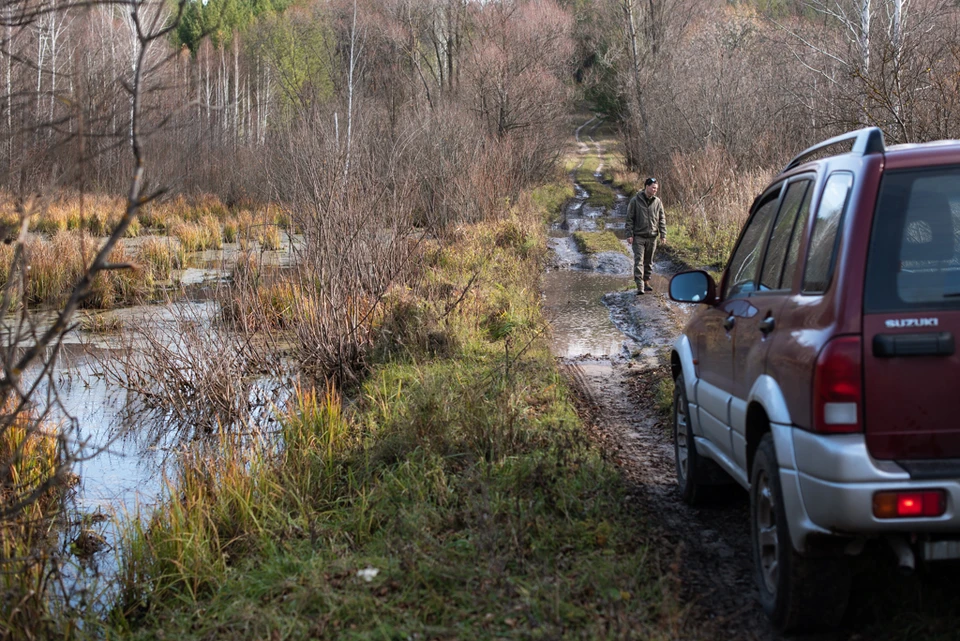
617 378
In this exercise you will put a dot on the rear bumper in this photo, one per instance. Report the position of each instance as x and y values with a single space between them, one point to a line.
832 480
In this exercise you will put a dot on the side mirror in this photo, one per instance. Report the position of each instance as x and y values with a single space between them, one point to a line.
693 287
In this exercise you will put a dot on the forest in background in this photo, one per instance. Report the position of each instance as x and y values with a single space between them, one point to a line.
239 82
716 97
460 103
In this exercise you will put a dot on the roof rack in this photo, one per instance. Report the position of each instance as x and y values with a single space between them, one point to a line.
868 140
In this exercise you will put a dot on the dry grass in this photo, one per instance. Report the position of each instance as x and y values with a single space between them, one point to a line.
269 237
30 457
231 230
57 263
161 256
264 298
97 214
96 323
709 200
198 236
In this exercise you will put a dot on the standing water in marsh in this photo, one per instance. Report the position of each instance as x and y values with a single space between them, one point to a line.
130 387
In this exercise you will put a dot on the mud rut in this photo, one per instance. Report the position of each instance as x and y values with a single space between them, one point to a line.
706 550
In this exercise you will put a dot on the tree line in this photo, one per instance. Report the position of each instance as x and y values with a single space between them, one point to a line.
236 81
755 81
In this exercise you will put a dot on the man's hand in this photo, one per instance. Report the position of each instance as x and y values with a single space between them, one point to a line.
630 240
663 239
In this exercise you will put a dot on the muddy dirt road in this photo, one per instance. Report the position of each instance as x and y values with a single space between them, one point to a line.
613 345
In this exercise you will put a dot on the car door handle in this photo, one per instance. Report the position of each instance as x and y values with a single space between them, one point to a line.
729 322
767 325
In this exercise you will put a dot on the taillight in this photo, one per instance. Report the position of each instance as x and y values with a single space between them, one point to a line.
893 505
838 387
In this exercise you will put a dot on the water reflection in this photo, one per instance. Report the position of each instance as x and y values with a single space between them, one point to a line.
580 321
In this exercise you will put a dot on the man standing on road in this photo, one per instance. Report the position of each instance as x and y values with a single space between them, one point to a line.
646 222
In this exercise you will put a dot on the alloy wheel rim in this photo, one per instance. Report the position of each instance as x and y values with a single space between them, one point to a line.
765 526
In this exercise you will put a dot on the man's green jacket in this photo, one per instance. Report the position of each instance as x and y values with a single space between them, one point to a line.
645 217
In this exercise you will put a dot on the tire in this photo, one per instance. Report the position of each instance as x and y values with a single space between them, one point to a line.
691 467
799 593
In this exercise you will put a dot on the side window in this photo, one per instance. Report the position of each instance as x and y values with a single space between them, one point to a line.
782 231
826 233
793 254
742 272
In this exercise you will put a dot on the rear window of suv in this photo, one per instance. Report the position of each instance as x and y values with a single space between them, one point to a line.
914 259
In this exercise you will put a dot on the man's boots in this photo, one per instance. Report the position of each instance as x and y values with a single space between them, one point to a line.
646 286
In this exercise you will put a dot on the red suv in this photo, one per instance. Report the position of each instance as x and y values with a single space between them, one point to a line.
819 373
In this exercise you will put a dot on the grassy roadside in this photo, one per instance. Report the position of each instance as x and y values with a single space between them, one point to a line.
689 248
550 199
458 496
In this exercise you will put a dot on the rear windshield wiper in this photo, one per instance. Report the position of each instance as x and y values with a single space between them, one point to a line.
951 295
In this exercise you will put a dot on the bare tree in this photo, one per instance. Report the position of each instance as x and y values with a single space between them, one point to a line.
31 344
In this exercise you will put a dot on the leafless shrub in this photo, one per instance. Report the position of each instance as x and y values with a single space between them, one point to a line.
188 377
712 196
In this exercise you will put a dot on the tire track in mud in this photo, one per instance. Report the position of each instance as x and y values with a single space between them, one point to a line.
706 549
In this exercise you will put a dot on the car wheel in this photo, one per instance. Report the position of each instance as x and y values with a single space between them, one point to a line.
691 468
797 592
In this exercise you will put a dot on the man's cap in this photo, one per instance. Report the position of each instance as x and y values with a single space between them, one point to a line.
649 181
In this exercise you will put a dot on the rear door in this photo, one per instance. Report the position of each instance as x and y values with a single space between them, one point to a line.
912 317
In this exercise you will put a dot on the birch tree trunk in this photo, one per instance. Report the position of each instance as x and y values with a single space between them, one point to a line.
897 29
864 37
237 128
353 62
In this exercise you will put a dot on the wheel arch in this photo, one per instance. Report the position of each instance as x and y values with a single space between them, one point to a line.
681 362
758 424
766 405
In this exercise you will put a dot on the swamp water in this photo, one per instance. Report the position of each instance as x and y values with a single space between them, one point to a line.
125 450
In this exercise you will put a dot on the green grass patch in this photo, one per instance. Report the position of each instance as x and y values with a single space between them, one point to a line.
664 396
695 249
456 495
601 193
551 198
595 242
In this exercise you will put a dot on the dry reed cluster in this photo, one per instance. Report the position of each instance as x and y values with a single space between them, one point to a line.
56 264
201 222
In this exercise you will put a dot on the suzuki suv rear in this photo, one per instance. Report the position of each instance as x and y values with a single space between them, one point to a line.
821 372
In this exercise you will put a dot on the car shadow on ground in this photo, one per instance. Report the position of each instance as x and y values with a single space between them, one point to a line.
887 603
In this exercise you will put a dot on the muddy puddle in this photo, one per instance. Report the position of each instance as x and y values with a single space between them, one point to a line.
591 302
577 289
573 303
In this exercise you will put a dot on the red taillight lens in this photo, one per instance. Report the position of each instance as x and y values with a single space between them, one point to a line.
893 505
838 387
